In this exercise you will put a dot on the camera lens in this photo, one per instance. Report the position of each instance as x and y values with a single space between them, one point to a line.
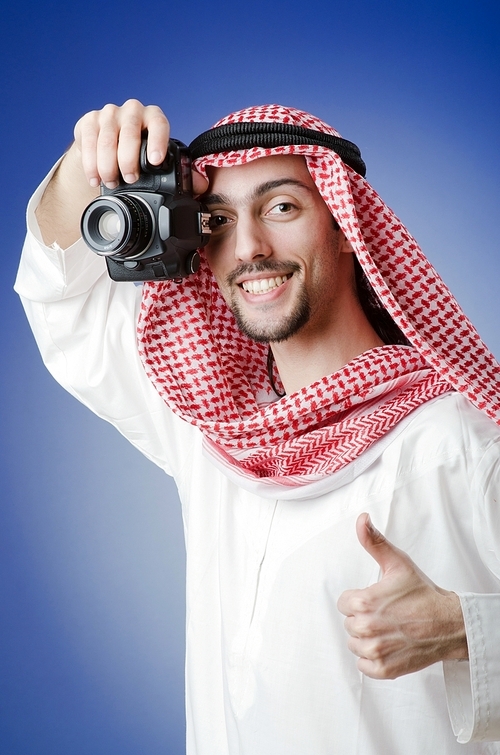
119 226
109 225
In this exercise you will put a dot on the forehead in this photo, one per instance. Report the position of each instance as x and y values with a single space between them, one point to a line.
240 182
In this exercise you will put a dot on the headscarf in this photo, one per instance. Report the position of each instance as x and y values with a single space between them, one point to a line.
216 378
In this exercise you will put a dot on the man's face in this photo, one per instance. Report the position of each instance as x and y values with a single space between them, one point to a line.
274 250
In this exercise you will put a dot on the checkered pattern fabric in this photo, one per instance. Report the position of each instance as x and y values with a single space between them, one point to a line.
214 377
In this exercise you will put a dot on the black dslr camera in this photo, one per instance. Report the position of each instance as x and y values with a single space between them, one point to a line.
151 229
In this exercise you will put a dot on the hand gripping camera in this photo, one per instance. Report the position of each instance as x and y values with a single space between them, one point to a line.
151 229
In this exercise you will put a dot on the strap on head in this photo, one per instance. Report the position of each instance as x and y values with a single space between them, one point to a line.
246 135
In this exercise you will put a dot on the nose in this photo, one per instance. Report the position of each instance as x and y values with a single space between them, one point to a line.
251 243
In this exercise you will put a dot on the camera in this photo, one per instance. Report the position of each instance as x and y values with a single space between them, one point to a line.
151 229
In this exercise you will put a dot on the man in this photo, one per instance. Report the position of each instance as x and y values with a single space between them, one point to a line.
388 410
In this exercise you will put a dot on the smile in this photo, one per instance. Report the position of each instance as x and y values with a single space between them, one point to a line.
264 285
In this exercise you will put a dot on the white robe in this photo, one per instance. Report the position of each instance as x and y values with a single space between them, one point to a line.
268 671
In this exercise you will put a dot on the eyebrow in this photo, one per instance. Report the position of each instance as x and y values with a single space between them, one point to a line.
258 192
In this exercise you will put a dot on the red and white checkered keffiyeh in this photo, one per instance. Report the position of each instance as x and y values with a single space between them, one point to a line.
214 377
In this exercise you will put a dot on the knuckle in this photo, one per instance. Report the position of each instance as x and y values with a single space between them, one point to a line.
155 110
352 645
384 671
377 671
85 120
92 116
157 124
373 651
86 125
108 111
132 102
361 603
133 110
364 627
381 653
342 602
157 116
377 651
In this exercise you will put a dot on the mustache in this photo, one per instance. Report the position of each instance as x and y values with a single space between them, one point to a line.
267 266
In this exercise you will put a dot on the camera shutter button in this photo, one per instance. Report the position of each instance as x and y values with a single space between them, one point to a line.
164 223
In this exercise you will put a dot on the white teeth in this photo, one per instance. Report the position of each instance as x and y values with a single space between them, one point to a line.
265 285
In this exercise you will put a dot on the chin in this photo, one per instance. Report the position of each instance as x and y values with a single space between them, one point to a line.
273 332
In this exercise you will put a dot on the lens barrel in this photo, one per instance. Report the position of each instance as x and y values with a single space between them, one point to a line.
120 226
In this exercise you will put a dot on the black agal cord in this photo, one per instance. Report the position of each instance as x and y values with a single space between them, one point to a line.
245 135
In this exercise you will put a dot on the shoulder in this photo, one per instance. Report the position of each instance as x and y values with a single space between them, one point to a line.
453 419
445 431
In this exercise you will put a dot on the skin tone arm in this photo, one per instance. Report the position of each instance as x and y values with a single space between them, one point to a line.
404 622
107 143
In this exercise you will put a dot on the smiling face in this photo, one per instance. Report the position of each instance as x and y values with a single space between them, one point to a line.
274 250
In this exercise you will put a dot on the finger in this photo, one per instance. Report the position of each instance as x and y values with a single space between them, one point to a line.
86 132
376 669
359 627
200 183
345 602
388 557
131 126
107 145
373 662
355 646
158 128
350 626
107 157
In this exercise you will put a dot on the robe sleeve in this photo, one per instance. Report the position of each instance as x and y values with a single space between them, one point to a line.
473 687
85 327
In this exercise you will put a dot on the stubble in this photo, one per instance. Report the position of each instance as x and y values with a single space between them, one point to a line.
270 330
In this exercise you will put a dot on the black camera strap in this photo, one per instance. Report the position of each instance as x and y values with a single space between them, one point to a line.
245 135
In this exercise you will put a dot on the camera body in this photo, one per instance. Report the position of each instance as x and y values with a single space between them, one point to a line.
151 229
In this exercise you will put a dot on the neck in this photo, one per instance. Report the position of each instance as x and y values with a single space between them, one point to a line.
316 351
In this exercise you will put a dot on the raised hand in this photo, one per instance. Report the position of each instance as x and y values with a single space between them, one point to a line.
107 143
404 622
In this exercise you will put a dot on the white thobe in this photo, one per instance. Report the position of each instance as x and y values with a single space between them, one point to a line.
268 671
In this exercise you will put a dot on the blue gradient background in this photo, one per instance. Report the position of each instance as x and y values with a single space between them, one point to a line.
91 551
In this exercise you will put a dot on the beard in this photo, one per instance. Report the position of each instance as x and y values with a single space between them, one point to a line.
269 330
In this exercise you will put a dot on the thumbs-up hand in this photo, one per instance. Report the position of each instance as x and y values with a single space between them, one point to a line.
404 622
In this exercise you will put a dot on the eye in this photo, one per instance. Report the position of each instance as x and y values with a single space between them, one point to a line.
282 208
218 221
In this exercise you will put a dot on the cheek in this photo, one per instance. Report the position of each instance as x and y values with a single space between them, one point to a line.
214 259
219 270
325 263
306 233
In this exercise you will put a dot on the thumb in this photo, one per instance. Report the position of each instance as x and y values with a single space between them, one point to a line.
387 556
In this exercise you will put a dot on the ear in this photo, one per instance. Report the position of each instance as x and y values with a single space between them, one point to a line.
344 245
